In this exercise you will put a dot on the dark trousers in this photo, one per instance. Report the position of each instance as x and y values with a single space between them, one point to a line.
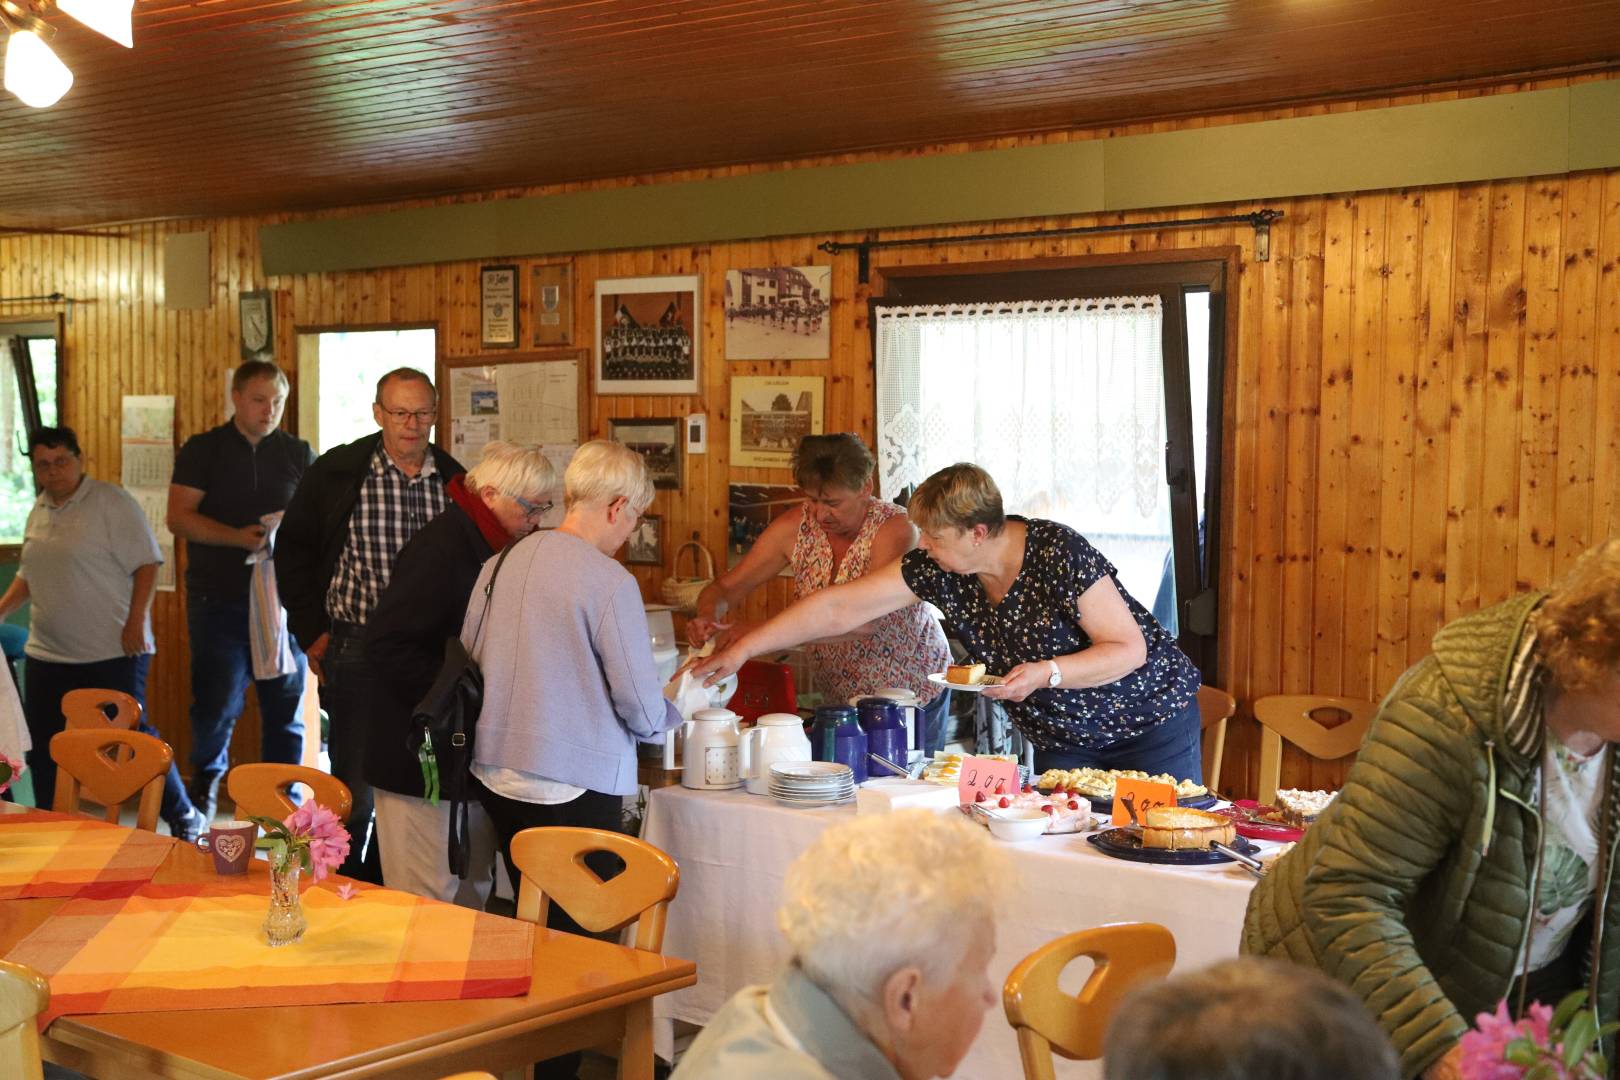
1174 747
221 668
47 681
346 694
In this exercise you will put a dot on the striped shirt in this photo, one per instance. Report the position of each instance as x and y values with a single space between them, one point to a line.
389 511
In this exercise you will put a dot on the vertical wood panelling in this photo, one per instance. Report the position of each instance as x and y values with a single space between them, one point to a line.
1422 400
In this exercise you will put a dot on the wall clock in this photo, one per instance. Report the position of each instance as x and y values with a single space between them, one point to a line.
258 314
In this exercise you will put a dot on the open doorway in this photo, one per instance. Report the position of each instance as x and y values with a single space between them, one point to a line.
338 372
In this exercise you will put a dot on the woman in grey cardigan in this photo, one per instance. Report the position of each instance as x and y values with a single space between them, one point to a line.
569 679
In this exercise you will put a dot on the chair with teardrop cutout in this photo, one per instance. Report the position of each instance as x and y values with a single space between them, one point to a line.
260 789
1215 708
109 766
1326 728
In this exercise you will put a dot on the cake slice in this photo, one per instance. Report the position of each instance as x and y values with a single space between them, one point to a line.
1181 828
965 674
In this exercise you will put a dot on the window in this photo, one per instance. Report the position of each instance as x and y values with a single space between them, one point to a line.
28 399
1087 395
343 367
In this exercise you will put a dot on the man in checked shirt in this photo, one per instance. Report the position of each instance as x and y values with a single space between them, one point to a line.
355 508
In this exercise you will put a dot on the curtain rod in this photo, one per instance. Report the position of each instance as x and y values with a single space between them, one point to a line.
1260 221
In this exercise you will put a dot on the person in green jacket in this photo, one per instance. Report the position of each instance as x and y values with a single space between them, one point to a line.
1471 855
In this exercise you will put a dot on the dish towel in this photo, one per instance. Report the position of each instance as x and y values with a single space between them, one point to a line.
267 621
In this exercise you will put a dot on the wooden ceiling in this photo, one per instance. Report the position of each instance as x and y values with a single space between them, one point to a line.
234 106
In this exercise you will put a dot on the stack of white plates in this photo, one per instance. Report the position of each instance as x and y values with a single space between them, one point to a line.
811 783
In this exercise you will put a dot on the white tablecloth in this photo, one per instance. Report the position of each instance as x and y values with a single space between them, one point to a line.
734 848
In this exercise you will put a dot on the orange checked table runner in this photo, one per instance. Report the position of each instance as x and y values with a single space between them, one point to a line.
47 854
201 946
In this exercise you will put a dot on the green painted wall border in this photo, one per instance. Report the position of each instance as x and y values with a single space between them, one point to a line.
1533 133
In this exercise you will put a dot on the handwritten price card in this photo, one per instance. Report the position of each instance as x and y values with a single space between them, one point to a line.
985 774
1142 794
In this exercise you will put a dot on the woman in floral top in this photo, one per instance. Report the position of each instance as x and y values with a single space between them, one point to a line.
1087 674
840 533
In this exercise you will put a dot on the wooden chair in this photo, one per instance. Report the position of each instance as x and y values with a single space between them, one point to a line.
261 790
1048 1020
24 993
110 766
1215 708
88 709
551 865
1326 728
471 1076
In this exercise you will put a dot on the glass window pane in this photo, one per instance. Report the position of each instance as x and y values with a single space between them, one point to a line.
42 351
1197 309
351 362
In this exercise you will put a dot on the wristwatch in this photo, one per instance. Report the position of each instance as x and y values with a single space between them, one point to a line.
1056 678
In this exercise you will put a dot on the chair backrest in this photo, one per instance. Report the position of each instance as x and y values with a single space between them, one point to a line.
260 790
551 865
24 993
471 1076
1326 728
1215 708
763 687
1048 1020
88 709
109 765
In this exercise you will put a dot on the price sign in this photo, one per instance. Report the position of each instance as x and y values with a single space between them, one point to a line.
1144 795
986 775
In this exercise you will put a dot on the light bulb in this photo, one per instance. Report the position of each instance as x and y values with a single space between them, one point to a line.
33 71
111 18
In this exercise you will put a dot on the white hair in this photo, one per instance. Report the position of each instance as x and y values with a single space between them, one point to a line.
513 470
602 471
885 892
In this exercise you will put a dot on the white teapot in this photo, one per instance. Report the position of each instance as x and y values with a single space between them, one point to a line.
774 737
709 755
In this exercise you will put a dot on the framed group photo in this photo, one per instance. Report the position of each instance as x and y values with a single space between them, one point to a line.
770 414
646 544
659 444
778 313
647 335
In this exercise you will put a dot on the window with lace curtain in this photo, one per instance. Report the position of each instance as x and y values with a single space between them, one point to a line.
1083 408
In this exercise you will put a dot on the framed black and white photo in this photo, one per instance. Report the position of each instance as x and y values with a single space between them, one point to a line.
498 307
659 444
646 544
778 313
770 414
647 335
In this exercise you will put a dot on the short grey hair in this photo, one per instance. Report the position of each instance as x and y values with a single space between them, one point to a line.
405 374
602 471
512 470
888 891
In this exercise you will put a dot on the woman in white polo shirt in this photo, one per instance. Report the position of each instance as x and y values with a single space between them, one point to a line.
89 566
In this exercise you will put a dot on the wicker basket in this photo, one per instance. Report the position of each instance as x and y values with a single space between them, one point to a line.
681 593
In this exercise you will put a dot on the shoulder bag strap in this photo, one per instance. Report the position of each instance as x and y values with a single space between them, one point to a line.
489 594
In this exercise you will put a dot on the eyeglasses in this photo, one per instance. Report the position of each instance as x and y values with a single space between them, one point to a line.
47 464
422 416
532 509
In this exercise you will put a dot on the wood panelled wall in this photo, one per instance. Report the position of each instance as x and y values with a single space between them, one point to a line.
1423 406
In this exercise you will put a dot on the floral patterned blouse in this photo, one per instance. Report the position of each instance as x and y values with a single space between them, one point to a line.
1039 619
908 644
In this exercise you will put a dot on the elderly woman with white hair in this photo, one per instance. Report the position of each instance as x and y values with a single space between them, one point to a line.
890 919
500 500
570 684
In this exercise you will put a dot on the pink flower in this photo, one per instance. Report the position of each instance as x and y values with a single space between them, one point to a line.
9 771
1484 1050
347 891
318 828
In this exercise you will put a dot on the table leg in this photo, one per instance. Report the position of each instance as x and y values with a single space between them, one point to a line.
636 1052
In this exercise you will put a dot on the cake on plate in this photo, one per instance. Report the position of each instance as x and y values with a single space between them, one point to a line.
1181 828
1300 808
965 674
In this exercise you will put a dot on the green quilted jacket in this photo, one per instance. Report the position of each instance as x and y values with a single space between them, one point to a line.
1415 886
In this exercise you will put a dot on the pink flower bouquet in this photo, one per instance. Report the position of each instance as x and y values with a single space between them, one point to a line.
1547 1044
9 771
312 834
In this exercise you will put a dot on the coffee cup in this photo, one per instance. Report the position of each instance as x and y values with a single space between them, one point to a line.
231 845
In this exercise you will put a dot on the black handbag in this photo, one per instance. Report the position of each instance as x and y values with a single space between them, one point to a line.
444 728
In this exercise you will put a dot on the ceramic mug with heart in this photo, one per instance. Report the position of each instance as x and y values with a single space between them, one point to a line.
231 844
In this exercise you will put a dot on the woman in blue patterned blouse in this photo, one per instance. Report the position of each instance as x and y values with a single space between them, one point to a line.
1088 675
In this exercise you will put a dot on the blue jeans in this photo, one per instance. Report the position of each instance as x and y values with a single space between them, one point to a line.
221 668
934 716
1174 747
46 681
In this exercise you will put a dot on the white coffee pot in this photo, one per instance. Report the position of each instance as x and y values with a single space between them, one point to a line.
709 751
774 737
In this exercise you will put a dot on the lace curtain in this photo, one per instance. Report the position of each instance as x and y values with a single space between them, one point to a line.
1061 401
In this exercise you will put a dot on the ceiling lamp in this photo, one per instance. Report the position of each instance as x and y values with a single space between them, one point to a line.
110 18
33 71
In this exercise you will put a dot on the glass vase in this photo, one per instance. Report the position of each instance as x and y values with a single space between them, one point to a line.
286 923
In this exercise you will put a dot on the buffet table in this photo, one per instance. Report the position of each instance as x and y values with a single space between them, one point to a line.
734 848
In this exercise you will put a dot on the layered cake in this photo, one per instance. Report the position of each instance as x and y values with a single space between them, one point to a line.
1181 828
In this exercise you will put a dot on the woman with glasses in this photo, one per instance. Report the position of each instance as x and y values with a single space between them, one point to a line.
499 501
840 533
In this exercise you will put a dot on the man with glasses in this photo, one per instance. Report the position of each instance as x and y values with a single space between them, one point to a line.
356 507
225 481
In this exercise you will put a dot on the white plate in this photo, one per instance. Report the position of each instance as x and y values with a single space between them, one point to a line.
815 771
938 677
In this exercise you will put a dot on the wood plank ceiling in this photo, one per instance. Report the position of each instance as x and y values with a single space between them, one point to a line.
234 106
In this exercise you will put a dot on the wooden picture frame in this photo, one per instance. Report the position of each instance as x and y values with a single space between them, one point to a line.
498 302
658 441
649 335
646 544
552 297
256 321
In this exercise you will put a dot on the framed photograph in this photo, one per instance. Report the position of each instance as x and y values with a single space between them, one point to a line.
646 544
751 507
498 307
553 299
647 335
770 414
778 313
257 311
659 444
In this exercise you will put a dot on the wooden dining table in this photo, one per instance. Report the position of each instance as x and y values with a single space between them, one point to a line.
584 993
